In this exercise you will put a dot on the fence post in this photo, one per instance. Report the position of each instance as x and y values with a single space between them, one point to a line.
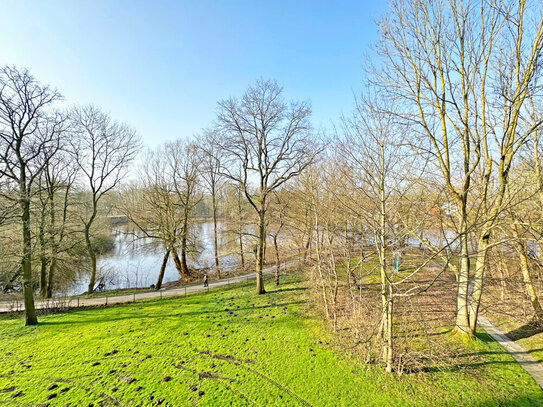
106 299
160 294
17 305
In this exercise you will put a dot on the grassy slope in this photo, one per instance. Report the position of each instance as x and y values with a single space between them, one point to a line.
228 347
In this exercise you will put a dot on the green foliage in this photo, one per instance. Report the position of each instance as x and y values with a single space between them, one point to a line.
228 347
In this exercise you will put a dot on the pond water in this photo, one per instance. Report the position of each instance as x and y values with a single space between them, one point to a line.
135 260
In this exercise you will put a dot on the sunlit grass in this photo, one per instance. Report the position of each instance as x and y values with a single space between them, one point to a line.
227 347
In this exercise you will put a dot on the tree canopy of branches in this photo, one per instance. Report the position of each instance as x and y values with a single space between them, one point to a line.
462 72
266 142
102 149
28 132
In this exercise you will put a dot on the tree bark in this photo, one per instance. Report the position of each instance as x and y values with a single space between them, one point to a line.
158 284
184 239
92 256
90 248
178 264
260 251
43 276
215 237
43 256
26 265
462 327
50 277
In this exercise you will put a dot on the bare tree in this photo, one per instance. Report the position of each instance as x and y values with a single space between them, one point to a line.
211 175
102 149
27 130
56 200
279 209
183 169
270 141
462 71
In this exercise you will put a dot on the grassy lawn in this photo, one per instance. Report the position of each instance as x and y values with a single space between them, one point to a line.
229 347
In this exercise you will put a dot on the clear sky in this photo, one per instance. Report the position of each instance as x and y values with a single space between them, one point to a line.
162 65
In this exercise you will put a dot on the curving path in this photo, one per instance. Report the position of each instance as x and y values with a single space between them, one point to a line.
76 302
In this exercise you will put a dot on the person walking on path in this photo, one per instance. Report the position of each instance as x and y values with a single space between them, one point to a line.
206 278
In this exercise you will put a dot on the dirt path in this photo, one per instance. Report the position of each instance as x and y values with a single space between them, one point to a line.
76 302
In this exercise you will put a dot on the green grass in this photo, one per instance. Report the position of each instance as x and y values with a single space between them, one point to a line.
229 347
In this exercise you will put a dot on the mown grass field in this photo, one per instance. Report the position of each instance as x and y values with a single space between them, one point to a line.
228 347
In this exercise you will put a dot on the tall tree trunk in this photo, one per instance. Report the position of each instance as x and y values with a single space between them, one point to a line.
240 221
90 248
43 256
178 264
26 265
54 243
462 314
478 281
242 255
184 239
92 256
386 284
260 251
215 237
319 262
43 275
484 239
50 277
158 284
389 332
184 267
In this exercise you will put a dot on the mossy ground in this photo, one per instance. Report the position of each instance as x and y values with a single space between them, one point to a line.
228 347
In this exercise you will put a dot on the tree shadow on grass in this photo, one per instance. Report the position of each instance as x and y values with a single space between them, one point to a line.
533 399
525 331
136 314
464 367
276 290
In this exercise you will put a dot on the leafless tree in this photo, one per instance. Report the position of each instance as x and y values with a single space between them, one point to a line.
183 168
270 140
462 72
212 178
151 206
56 202
278 212
102 149
27 131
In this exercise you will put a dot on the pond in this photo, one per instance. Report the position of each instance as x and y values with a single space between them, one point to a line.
135 260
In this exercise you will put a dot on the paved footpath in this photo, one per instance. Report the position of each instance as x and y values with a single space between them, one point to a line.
75 302
524 359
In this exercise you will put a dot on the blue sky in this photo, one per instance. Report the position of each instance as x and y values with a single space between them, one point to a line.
162 66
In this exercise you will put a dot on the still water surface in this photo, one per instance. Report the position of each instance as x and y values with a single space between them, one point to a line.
135 261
